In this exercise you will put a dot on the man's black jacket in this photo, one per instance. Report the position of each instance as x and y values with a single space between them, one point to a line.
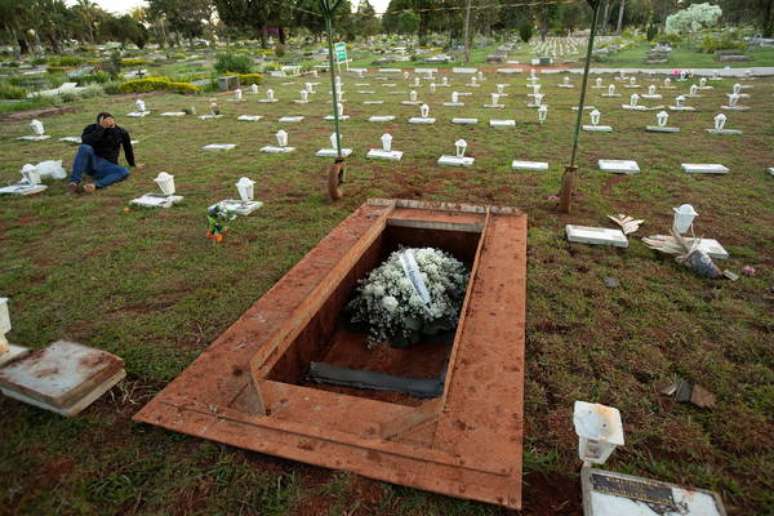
107 142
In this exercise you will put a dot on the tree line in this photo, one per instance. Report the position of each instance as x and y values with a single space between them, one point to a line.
51 23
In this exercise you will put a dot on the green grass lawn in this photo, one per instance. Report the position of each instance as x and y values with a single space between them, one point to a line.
684 57
148 286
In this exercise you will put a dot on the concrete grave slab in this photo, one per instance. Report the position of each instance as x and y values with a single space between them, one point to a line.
372 102
291 119
704 168
153 200
64 377
596 236
392 155
659 129
273 149
219 146
465 121
598 128
381 118
533 166
330 118
619 166
173 113
34 138
502 123
76 140
13 353
454 161
332 153
249 118
725 132
22 189
421 120
210 117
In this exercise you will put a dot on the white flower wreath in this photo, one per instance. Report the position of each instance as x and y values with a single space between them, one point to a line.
389 302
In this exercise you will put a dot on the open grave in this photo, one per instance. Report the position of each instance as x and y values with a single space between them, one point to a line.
252 387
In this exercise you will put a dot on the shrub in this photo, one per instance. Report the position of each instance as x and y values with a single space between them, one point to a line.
246 79
9 91
39 61
149 84
56 69
100 77
235 63
711 43
525 32
66 61
279 50
133 61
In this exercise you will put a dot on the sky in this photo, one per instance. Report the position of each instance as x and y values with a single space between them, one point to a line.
124 6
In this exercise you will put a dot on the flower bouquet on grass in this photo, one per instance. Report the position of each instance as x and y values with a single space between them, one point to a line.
217 220
416 292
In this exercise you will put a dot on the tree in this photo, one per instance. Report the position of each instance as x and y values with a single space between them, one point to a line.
620 16
694 18
185 17
408 23
365 19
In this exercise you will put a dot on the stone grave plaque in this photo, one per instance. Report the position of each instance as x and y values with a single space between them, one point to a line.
596 236
619 166
704 168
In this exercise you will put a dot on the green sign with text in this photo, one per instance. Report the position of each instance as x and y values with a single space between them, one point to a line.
341 52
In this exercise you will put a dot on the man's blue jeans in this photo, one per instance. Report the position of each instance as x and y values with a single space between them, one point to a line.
103 171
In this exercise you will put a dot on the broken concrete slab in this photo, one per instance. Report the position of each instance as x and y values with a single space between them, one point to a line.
13 353
64 377
596 236
23 189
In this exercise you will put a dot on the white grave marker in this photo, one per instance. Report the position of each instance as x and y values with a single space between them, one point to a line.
619 166
332 151
386 152
458 160
282 144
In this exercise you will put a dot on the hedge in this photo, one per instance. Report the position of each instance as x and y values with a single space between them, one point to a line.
246 79
149 84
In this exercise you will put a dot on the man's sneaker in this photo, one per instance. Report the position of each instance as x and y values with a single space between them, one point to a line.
75 188
89 187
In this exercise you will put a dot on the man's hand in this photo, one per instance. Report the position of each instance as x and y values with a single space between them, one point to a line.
139 166
107 123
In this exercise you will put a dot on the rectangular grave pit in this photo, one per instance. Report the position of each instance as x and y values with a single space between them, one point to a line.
249 388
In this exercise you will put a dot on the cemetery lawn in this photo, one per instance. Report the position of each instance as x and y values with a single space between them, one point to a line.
148 286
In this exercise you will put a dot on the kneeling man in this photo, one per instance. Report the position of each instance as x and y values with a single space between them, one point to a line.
98 155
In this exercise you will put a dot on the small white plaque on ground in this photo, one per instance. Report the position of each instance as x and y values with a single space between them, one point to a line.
392 155
138 114
771 171
219 146
464 121
462 70
608 493
454 161
249 118
64 378
453 104
619 166
291 119
529 165
153 200
372 102
421 120
332 153
173 113
71 139
725 132
502 123
330 118
210 117
273 149
596 236
704 168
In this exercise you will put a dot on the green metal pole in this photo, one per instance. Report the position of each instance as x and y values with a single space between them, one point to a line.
579 120
329 28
